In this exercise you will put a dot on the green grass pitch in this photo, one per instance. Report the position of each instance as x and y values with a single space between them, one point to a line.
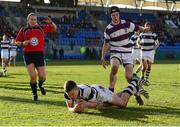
17 109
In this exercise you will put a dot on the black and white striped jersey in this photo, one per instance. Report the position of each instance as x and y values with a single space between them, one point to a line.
5 44
13 47
148 41
133 39
88 93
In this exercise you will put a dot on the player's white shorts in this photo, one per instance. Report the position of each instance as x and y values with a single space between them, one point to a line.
148 55
104 94
136 54
5 53
124 58
13 53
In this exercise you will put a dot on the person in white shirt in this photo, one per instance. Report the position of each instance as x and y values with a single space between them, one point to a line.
116 37
13 52
81 97
149 42
5 44
136 51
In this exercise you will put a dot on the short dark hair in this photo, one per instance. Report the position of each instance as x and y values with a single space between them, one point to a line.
69 85
114 9
148 23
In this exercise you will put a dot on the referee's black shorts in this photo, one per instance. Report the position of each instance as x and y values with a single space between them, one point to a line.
34 57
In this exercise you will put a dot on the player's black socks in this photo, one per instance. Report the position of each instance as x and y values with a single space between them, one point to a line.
34 91
41 87
34 88
41 82
111 89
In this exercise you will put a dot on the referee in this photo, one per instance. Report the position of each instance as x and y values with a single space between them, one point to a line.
32 39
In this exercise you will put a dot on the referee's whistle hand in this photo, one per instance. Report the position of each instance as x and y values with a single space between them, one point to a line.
25 43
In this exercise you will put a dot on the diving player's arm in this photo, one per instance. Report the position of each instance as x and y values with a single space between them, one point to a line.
71 106
87 104
80 106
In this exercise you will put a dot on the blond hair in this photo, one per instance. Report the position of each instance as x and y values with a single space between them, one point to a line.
30 14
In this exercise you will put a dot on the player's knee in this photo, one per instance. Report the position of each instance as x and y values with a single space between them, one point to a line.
33 78
42 78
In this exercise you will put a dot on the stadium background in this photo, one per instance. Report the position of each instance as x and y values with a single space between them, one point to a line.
81 24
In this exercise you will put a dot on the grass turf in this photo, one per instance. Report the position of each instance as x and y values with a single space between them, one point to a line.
17 109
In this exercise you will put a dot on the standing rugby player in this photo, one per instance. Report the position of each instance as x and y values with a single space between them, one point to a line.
13 52
136 51
116 35
5 44
149 42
